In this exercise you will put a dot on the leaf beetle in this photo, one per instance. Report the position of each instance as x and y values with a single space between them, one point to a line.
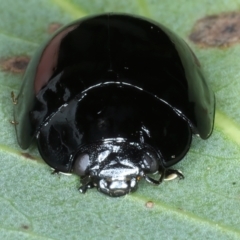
114 98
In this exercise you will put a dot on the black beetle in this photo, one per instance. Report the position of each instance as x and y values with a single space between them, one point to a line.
112 98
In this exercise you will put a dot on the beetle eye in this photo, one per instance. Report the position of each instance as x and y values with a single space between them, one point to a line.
81 164
150 162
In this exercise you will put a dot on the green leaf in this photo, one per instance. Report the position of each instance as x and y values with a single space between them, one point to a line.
205 205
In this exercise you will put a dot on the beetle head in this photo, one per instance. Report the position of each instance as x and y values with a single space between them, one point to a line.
114 172
118 177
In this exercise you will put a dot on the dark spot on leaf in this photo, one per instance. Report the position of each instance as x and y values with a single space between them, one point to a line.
233 183
220 30
25 226
53 27
15 64
27 155
149 204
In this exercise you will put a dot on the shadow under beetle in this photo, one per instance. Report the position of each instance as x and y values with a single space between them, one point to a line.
113 98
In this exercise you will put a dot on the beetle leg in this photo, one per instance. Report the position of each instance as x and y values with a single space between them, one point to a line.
54 171
165 174
153 181
156 182
86 184
13 122
14 99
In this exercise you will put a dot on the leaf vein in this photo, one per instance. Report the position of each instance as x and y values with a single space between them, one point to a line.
69 7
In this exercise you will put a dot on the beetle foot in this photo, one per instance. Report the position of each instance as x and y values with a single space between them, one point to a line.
86 184
171 174
83 189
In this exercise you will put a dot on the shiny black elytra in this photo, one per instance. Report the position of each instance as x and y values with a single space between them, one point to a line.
113 98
